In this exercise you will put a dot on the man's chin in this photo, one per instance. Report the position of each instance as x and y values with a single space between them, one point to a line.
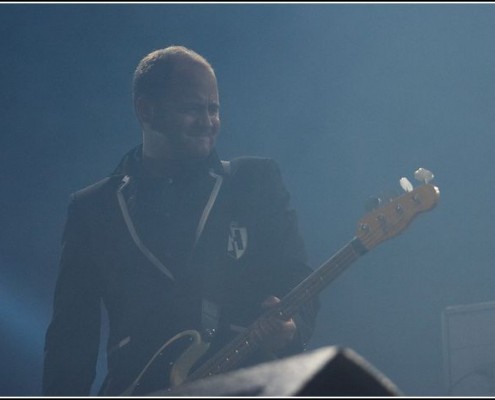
198 152
200 148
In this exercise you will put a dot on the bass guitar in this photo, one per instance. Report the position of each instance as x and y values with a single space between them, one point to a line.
380 224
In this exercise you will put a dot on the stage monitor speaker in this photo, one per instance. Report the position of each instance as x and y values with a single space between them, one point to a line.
328 371
469 349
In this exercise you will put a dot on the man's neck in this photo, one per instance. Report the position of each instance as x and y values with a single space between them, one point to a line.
161 167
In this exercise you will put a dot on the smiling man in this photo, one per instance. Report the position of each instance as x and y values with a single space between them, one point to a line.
173 243
183 121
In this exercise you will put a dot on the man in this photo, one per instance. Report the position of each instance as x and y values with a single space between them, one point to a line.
174 241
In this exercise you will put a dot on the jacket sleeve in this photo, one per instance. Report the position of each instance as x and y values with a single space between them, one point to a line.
72 338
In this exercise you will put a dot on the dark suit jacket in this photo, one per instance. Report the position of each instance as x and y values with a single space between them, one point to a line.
246 246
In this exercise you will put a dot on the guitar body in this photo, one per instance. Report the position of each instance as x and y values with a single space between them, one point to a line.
186 348
197 349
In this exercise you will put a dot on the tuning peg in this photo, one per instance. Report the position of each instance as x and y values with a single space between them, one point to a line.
406 185
423 175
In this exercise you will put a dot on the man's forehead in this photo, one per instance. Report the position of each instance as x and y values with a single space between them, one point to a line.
191 71
192 83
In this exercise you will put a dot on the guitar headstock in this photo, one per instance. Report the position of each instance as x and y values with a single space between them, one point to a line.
392 218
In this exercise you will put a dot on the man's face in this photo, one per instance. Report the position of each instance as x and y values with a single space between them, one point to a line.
188 115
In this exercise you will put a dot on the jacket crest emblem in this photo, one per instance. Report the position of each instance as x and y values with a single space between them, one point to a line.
238 240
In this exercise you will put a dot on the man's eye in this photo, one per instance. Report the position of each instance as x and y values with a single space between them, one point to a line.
197 109
190 109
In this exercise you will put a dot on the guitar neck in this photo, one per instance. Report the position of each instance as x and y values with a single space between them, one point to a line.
320 278
245 344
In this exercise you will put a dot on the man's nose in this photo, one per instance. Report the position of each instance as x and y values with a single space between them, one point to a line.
206 118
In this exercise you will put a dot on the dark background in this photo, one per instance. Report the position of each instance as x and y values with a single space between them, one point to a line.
348 98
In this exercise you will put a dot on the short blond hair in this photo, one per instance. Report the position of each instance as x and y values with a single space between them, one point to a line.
154 70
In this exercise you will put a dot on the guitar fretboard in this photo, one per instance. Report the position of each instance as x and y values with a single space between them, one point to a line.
246 343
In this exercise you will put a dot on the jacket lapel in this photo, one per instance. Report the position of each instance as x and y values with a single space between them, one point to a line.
217 175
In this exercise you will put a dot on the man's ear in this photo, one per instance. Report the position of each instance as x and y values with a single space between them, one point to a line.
144 109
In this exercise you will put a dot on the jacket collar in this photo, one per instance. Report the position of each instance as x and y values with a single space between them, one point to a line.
131 163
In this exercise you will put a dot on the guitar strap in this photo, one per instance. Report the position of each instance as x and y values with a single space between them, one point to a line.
210 311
